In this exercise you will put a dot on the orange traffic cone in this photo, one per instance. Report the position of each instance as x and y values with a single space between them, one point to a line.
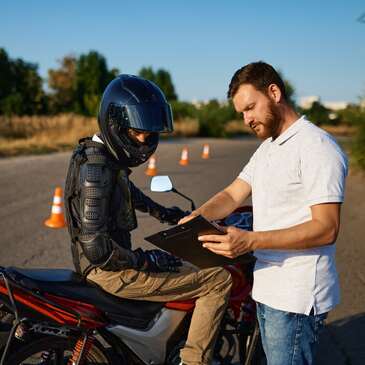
57 219
205 154
184 160
151 168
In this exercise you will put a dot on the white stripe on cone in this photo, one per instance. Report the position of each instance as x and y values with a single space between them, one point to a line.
56 209
184 154
57 200
152 163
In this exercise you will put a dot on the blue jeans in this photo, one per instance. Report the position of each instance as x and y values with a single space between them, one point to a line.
288 338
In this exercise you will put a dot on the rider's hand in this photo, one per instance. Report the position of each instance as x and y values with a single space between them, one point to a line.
161 261
173 215
189 217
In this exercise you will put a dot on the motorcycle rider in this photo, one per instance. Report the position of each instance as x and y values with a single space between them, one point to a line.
100 203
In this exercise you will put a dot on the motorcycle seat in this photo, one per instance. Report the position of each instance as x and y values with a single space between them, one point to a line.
69 284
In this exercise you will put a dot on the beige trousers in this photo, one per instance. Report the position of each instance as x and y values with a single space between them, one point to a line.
211 288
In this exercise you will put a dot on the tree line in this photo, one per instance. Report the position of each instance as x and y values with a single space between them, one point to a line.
77 84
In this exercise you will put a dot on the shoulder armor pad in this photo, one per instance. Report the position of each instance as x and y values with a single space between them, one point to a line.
96 155
96 181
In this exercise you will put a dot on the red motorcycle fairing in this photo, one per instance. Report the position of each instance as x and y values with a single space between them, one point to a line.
60 310
73 290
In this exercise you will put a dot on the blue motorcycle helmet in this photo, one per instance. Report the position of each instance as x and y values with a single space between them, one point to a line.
132 102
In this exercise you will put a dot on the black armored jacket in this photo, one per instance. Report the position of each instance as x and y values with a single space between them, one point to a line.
100 204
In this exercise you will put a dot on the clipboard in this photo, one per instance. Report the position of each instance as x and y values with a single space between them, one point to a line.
182 241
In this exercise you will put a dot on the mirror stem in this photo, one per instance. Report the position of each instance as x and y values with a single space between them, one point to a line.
184 196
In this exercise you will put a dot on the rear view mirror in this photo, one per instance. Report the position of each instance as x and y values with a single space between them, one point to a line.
161 184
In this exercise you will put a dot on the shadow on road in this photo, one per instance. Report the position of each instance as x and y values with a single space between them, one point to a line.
343 342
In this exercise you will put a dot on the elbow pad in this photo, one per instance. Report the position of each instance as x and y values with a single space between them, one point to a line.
100 251
97 248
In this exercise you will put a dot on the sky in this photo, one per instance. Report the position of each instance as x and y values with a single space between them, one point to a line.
319 46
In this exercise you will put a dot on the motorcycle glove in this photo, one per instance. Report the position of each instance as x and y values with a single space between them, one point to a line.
172 215
158 261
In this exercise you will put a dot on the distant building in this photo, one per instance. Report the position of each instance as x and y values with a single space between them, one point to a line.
199 103
307 101
335 105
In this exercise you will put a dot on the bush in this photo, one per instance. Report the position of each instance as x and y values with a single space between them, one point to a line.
182 109
213 117
358 144
352 115
317 113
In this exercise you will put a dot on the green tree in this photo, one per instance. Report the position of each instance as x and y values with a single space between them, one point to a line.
317 113
289 88
21 87
162 78
62 82
212 118
353 114
358 142
183 109
92 76
147 73
6 77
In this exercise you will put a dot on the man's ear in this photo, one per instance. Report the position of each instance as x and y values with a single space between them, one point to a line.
274 93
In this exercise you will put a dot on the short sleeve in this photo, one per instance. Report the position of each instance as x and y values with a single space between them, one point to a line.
324 169
247 172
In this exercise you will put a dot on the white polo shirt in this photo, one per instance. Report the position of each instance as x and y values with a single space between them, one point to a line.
302 167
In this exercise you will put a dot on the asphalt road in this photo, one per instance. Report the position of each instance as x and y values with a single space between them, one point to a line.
27 186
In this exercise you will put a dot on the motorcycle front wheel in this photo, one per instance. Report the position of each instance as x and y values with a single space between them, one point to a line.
54 351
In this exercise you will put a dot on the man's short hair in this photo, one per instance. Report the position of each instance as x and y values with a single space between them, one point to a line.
258 74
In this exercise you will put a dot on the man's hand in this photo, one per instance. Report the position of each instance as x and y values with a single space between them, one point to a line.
189 217
235 242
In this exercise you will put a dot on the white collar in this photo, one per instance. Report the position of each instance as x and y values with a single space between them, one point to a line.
96 138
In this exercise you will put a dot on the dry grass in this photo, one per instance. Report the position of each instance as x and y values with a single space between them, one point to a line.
43 134
186 127
237 127
340 130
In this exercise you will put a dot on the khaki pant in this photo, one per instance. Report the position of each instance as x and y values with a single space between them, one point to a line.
210 286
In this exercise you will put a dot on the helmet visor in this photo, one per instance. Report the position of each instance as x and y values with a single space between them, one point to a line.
149 117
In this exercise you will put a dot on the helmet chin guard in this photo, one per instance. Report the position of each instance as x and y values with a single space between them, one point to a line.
131 102
137 154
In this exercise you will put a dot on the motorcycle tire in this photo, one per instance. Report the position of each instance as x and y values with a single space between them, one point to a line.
59 352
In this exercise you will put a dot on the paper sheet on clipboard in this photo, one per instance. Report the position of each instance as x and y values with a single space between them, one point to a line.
182 241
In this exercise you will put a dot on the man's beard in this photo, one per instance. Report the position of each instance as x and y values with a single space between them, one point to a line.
271 124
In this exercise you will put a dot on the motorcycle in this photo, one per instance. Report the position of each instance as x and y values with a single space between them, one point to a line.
55 316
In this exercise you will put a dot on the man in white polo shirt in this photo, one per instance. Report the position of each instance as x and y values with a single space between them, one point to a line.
296 178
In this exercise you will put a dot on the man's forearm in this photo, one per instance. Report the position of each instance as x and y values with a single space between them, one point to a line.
226 201
218 207
306 235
